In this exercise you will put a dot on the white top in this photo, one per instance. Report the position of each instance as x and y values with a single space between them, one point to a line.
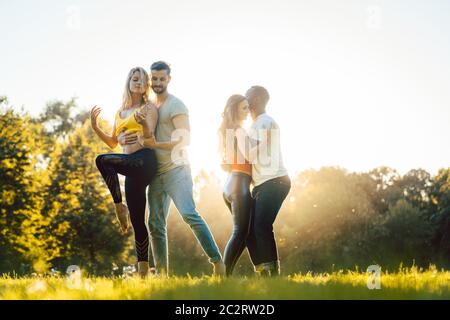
269 162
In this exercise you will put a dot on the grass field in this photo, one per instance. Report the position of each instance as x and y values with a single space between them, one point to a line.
407 283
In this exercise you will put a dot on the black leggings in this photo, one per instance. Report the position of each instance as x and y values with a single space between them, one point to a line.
238 199
139 168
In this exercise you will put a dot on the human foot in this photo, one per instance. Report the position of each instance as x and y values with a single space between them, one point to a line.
143 269
268 269
153 271
219 268
122 216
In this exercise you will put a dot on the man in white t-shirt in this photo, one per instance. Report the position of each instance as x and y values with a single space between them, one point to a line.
271 184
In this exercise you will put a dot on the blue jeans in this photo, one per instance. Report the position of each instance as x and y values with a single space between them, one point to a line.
175 184
268 198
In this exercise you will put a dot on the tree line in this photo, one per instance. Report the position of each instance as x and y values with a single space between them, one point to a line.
55 209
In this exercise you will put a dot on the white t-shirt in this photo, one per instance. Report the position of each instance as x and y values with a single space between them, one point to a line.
269 162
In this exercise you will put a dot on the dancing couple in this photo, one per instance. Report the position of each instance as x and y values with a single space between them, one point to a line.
252 157
152 136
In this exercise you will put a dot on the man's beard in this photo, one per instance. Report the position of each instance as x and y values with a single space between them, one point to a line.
159 90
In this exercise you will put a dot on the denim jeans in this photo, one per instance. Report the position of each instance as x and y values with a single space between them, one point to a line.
268 198
175 184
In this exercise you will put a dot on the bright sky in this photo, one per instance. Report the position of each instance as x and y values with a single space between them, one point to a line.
358 84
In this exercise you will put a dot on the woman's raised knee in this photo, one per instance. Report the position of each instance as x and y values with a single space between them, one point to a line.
99 160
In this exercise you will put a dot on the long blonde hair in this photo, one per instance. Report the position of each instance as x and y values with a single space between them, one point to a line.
126 101
229 121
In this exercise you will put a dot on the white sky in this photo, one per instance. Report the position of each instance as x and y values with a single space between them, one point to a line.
356 84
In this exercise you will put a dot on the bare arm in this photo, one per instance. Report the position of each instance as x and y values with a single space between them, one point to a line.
110 140
147 118
180 122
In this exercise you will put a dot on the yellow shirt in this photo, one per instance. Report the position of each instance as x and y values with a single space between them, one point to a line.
129 124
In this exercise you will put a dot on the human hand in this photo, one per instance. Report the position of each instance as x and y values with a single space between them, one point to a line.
95 111
141 117
150 142
127 138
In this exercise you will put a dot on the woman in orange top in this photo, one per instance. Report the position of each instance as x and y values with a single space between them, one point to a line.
236 191
137 163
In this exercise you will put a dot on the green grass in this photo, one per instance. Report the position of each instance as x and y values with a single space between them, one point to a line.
407 283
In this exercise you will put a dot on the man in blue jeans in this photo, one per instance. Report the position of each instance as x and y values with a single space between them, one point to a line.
173 179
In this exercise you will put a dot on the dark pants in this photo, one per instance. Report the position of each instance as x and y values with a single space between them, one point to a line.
238 199
139 168
268 198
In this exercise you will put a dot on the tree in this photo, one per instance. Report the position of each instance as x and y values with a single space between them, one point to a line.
22 176
332 221
440 208
59 119
416 187
408 237
78 197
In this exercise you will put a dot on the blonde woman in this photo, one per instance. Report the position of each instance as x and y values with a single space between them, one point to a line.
136 163
236 192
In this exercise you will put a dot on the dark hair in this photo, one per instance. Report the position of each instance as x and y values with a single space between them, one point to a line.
261 92
160 65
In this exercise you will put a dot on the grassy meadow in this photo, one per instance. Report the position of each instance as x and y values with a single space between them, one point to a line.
406 283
